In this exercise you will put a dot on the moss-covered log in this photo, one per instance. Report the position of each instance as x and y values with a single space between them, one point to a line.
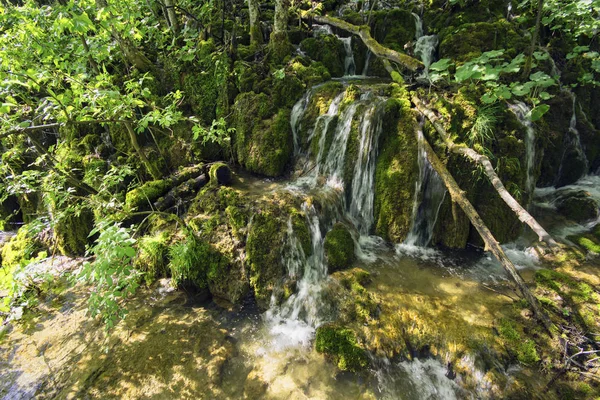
491 244
483 161
406 61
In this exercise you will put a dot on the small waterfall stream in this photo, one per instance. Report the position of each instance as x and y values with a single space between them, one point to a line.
425 46
429 195
349 63
573 148
522 113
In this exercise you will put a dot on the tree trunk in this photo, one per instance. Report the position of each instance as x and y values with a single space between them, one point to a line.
256 37
491 244
407 62
172 16
482 160
281 16
133 139
534 38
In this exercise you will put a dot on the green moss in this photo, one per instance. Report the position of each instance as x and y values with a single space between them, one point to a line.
142 196
469 40
22 247
263 145
394 28
71 231
237 219
310 73
340 344
152 256
525 350
265 240
280 47
205 82
318 105
339 248
396 171
328 50
194 263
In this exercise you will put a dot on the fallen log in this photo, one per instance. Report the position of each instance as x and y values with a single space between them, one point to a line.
491 244
483 161
185 190
406 61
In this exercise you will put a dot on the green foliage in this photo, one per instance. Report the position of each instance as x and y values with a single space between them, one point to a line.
482 131
110 273
218 133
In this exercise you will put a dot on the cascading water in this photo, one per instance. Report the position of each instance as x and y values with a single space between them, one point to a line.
365 71
573 150
360 209
349 63
293 322
321 30
297 112
418 26
425 50
522 112
429 195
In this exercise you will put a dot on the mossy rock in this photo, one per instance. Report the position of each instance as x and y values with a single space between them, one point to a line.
469 40
396 171
263 141
24 246
266 242
328 50
153 256
394 28
339 248
309 72
71 232
340 345
578 206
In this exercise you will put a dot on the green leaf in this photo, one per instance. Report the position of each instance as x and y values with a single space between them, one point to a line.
538 112
441 65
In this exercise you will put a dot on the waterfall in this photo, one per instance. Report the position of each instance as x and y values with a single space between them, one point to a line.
349 64
522 112
363 181
418 26
294 322
425 50
321 30
429 195
297 113
365 71
572 143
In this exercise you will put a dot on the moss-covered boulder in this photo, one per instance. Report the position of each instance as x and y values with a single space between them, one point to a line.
394 28
266 244
339 248
578 206
469 40
72 230
397 170
263 141
341 346
327 49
